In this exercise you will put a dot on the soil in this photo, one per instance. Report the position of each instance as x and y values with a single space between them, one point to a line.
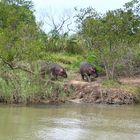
94 92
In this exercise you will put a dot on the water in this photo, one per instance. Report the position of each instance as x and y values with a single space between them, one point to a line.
70 122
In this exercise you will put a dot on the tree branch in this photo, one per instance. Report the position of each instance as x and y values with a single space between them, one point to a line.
15 67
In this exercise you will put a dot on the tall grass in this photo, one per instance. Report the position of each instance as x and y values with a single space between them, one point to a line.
17 86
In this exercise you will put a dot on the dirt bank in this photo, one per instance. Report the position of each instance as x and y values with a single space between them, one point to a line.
127 92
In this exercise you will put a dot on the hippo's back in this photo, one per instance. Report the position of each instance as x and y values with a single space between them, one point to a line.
84 65
55 66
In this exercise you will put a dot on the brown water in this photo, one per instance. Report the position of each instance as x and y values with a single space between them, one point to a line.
70 122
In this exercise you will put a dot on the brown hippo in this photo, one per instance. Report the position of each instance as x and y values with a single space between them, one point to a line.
53 70
87 70
56 70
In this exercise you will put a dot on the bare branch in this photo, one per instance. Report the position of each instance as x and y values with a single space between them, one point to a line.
15 67
63 22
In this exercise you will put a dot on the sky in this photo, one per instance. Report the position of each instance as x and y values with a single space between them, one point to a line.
57 10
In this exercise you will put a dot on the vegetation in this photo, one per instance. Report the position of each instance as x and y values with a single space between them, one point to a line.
109 41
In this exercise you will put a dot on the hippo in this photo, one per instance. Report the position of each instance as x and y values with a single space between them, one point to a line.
87 70
56 70
53 70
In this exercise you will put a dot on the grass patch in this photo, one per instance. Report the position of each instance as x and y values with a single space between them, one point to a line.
111 83
130 88
69 61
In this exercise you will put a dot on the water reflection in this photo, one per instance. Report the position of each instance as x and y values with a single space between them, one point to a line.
70 122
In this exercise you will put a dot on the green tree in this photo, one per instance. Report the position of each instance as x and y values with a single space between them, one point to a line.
110 35
19 32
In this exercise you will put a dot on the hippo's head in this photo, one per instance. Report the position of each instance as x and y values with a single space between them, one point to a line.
93 71
62 73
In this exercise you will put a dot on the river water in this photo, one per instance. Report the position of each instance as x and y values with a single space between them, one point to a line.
70 122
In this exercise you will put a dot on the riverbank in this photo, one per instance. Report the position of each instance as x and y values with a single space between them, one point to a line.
99 91
124 92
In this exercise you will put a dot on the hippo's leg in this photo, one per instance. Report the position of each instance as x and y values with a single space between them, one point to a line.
82 75
96 75
85 77
88 79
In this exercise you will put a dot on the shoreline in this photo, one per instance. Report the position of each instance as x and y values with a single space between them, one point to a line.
84 92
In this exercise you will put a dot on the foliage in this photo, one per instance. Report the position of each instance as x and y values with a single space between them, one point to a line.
18 30
111 36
